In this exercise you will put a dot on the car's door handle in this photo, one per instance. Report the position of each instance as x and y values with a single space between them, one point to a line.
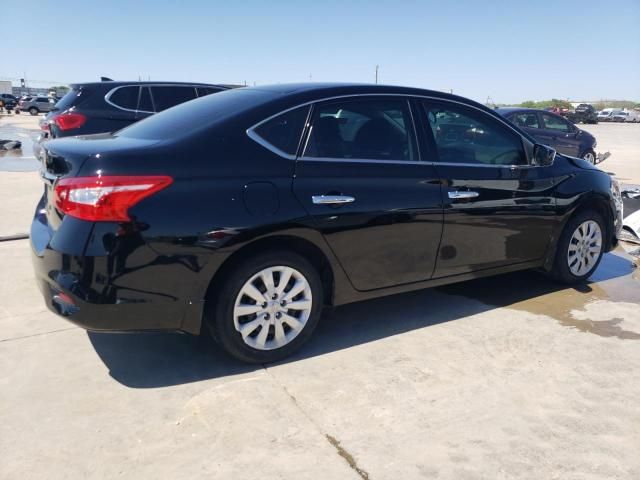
462 194
332 199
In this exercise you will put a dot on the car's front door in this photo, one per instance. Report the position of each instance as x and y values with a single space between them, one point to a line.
364 186
498 210
560 134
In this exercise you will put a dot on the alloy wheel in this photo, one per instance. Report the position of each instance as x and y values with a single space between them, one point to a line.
590 157
272 307
585 248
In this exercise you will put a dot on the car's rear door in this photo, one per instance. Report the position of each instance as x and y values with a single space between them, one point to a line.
498 210
361 179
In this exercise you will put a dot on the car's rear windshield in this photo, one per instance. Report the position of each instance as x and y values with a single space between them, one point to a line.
71 98
196 114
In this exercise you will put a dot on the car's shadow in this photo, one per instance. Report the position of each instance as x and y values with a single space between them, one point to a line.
146 360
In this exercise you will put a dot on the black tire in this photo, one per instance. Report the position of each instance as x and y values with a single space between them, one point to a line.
561 271
33 111
589 153
220 320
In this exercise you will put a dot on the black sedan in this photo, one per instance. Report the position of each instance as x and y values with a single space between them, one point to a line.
553 130
246 212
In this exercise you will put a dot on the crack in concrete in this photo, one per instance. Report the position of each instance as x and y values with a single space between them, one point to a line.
340 450
38 334
347 456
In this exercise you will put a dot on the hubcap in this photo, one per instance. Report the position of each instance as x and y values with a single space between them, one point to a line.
585 248
589 157
272 307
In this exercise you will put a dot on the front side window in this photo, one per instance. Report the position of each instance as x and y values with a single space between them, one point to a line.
552 122
370 128
527 120
283 132
463 135
170 96
125 97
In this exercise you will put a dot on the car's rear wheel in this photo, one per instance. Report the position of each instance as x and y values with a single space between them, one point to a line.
33 111
267 307
590 156
580 248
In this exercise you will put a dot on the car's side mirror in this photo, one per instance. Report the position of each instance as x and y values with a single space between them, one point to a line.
543 156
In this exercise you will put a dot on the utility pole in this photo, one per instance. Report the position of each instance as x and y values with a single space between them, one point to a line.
377 66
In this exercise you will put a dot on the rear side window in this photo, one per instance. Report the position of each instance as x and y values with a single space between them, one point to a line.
283 132
528 120
42 99
125 97
372 128
463 135
170 96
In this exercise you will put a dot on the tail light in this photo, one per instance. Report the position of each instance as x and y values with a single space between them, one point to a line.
70 121
105 198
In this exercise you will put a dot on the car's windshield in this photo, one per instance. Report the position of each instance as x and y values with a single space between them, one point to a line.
69 99
196 114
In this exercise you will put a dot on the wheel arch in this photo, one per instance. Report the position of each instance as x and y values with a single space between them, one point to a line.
304 247
589 201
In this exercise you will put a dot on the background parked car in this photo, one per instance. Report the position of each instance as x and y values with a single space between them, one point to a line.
585 113
625 116
9 101
633 116
109 106
606 114
36 105
553 130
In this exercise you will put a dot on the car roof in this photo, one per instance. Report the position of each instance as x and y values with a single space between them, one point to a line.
312 92
506 110
118 83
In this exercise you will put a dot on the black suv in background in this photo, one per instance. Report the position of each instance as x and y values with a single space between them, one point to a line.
101 107
584 113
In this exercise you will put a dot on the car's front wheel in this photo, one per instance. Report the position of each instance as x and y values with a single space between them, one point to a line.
580 248
267 306
33 111
590 156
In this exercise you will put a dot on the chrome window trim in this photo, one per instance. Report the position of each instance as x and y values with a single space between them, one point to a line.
107 97
364 160
255 137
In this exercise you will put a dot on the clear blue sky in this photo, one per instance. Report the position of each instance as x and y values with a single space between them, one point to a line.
508 50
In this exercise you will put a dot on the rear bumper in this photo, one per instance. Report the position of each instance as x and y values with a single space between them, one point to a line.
86 291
